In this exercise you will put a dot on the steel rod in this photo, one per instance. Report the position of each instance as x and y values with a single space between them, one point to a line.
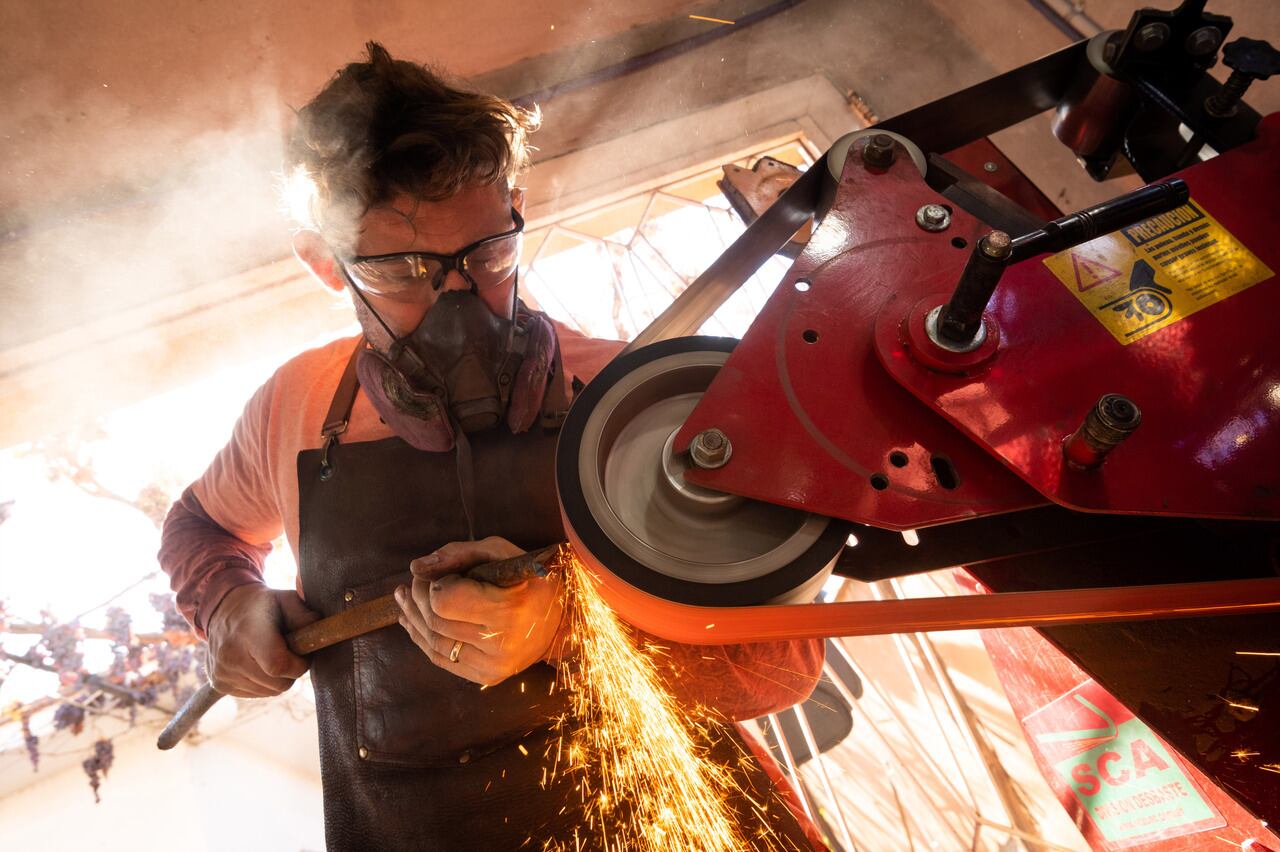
938 773
790 761
811 742
357 621
900 642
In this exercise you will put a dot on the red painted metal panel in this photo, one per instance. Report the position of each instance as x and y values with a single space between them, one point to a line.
1034 675
1005 179
814 419
1208 385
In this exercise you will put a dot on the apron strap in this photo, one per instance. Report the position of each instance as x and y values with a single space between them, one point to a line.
555 405
335 422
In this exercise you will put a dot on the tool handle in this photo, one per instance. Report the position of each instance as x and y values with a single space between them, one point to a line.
384 611
357 621
187 716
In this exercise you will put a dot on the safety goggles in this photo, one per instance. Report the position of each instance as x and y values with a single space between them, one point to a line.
406 276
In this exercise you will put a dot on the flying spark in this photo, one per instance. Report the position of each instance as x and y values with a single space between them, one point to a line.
645 782
711 20
1241 705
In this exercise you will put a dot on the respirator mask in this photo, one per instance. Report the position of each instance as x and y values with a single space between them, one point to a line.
463 368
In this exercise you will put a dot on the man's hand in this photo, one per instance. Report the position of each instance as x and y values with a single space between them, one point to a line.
503 631
248 656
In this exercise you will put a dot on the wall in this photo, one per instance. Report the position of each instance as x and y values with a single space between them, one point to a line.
254 788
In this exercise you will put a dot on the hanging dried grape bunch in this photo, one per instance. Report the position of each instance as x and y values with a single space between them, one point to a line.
69 716
99 764
32 742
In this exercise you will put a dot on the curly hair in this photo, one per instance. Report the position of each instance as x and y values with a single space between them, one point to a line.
384 127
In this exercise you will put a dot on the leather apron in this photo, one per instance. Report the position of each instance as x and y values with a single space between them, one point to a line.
413 756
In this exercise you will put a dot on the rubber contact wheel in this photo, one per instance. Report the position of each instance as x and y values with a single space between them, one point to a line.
626 504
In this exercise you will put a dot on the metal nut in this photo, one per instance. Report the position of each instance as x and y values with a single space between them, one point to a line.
1151 37
879 150
1204 41
710 449
933 217
997 245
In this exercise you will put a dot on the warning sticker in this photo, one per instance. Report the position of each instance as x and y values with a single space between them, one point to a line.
1118 769
1148 276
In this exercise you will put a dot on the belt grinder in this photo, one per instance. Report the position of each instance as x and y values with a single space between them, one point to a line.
1081 410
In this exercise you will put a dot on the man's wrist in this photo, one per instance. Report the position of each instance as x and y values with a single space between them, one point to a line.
217 589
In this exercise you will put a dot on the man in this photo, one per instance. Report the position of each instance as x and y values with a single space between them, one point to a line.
395 461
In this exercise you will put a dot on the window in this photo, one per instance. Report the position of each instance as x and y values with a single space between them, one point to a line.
608 272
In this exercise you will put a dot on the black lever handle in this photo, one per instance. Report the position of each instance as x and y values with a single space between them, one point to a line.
1119 212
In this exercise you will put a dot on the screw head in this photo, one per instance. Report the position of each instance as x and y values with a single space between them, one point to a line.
1203 41
989 166
1151 37
933 217
710 449
879 150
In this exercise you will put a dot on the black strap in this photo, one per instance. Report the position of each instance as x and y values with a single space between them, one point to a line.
339 415
466 477
555 405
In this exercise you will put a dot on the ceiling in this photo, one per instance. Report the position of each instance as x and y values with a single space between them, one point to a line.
140 142
103 94
140 139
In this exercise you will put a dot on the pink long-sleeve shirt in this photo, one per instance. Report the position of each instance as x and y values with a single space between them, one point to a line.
218 534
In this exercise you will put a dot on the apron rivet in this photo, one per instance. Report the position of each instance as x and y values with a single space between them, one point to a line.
349 596
465 757
326 473
363 752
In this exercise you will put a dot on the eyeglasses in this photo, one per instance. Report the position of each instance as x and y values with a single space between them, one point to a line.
401 277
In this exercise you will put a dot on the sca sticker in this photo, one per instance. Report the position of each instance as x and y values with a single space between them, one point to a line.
1117 769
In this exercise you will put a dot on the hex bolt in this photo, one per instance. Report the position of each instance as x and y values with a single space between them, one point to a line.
960 320
1111 420
1249 59
1204 41
879 151
1151 37
933 217
710 449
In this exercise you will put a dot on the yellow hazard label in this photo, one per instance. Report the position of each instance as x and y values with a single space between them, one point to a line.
1151 275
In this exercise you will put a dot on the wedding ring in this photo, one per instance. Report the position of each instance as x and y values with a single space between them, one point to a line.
457 649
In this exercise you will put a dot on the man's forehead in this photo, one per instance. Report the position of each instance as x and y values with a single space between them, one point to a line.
408 223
